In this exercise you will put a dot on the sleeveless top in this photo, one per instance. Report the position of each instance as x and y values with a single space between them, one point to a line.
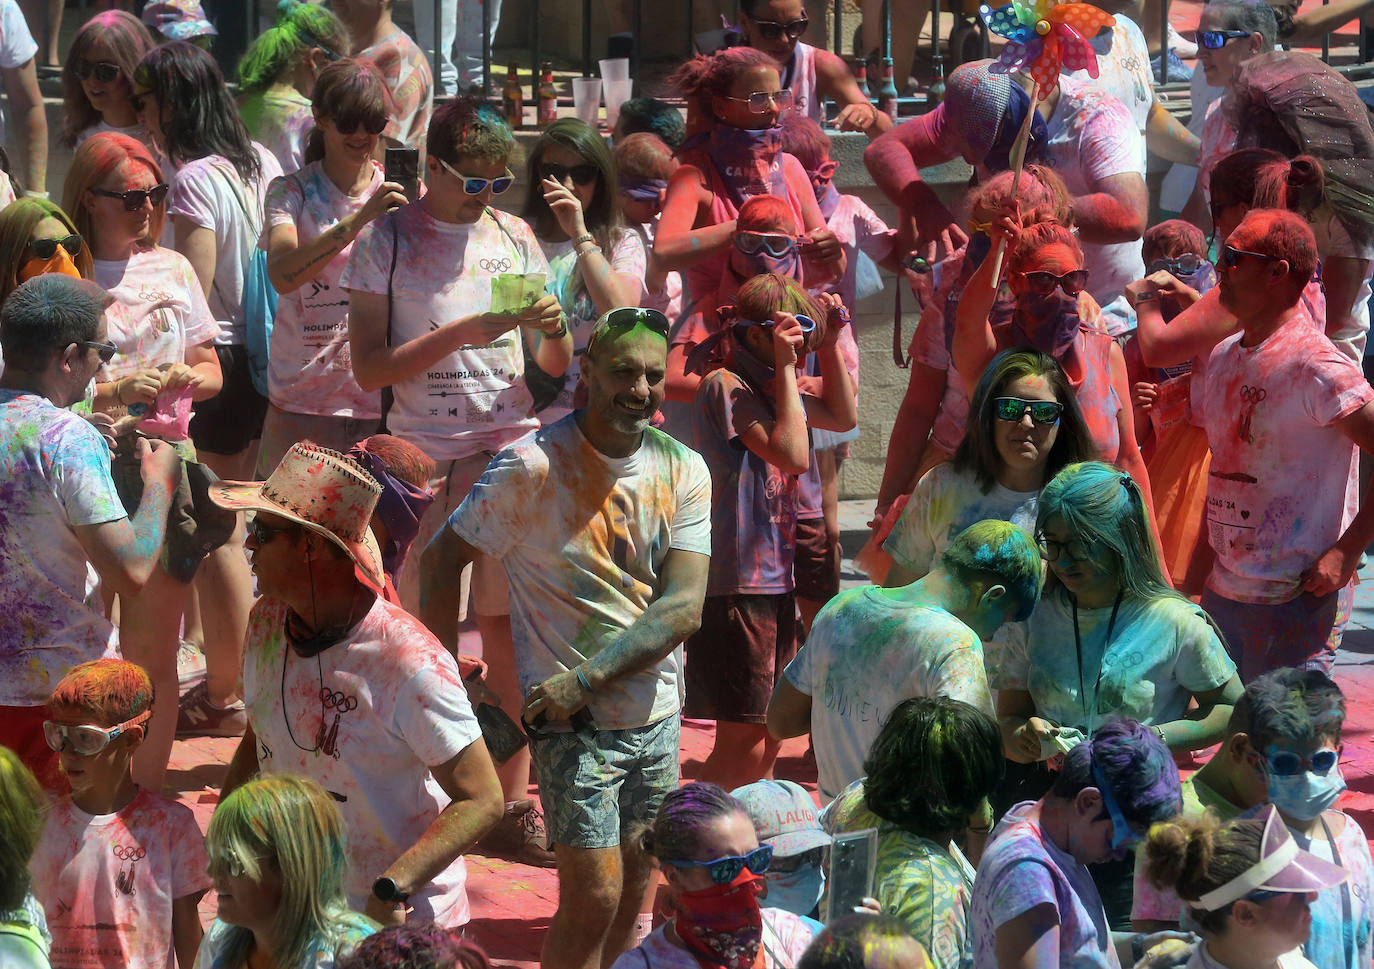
799 77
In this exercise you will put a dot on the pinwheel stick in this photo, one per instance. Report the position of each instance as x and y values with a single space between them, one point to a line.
1018 159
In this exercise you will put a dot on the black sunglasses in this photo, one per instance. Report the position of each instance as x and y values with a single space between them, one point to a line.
628 317
1186 264
106 350
725 870
263 533
1216 39
772 30
47 248
584 174
346 127
1043 283
134 198
1012 409
104 71
1230 255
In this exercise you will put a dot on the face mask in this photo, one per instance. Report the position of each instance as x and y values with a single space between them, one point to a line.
1305 796
722 924
797 891
1048 323
747 161
828 200
60 262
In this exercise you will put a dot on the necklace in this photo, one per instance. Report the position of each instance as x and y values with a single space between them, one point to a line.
285 714
1090 716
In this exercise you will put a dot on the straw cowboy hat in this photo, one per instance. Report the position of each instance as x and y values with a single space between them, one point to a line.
323 491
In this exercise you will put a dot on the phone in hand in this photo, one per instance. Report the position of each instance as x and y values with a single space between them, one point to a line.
853 860
402 166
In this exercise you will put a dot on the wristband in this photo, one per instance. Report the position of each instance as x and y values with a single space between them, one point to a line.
31 194
582 679
1147 296
562 330
582 252
585 237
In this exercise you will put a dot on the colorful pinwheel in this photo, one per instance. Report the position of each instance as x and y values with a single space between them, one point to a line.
1043 36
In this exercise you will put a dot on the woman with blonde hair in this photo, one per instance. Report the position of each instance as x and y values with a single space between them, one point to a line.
97 78
36 237
278 860
165 363
24 938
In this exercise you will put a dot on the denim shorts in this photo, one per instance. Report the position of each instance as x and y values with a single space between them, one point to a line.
598 786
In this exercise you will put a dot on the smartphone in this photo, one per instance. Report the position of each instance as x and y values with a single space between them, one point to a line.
853 858
403 166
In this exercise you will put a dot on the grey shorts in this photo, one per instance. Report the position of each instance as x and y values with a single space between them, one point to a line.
589 804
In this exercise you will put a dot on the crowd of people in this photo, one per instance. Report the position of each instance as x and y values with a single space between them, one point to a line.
283 428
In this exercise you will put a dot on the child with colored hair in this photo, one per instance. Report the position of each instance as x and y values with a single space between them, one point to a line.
24 938
120 870
749 421
644 163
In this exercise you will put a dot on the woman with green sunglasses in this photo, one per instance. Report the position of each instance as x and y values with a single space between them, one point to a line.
713 866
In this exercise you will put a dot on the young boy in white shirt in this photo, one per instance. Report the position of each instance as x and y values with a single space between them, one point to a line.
120 870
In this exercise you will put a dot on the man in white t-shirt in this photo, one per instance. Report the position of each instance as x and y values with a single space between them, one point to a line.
30 121
871 648
59 511
1284 411
343 687
603 524
420 321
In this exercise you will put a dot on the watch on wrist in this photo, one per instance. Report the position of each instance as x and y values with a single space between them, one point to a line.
385 889
1147 295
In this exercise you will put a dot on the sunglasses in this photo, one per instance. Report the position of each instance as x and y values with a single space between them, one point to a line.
234 866
1123 835
137 99
1231 255
725 870
104 71
758 101
47 248
584 174
1288 764
1012 409
1052 550
1187 264
262 533
373 126
806 323
86 739
134 198
773 243
1216 39
106 350
628 317
772 30
787 864
476 186
1043 283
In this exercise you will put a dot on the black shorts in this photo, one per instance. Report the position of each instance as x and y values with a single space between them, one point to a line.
232 419
816 562
735 658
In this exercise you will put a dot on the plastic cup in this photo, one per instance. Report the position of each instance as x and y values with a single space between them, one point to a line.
617 93
615 69
587 98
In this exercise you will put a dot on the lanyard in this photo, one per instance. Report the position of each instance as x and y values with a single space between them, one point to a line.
1091 716
1347 906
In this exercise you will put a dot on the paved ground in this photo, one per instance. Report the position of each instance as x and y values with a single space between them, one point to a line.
512 904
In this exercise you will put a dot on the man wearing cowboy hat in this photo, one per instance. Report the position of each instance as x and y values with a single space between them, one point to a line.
346 688
603 526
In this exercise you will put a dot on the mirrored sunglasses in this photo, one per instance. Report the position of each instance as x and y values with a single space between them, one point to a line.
1012 409
725 870
104 71
628 317
1043 283
772 30
86 739
47 248
1216 39
758 101
584 174
476 186
774 243
134 198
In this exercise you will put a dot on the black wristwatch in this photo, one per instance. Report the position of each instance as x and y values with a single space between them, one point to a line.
384 889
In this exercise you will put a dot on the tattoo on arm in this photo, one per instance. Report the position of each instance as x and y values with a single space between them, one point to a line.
337 238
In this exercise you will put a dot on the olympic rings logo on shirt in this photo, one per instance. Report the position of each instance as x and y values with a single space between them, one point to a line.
129 852
494 265
337 700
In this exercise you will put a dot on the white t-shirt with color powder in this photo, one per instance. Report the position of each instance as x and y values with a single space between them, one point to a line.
583 537
410 80
107 882
17 46
367 718
1283 484
56 474
1022 868
628 257
1092 137
209 192
867 652
785 938
475 399
310 369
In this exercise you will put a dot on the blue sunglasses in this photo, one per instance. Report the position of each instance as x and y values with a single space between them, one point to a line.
1123 835
725 870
